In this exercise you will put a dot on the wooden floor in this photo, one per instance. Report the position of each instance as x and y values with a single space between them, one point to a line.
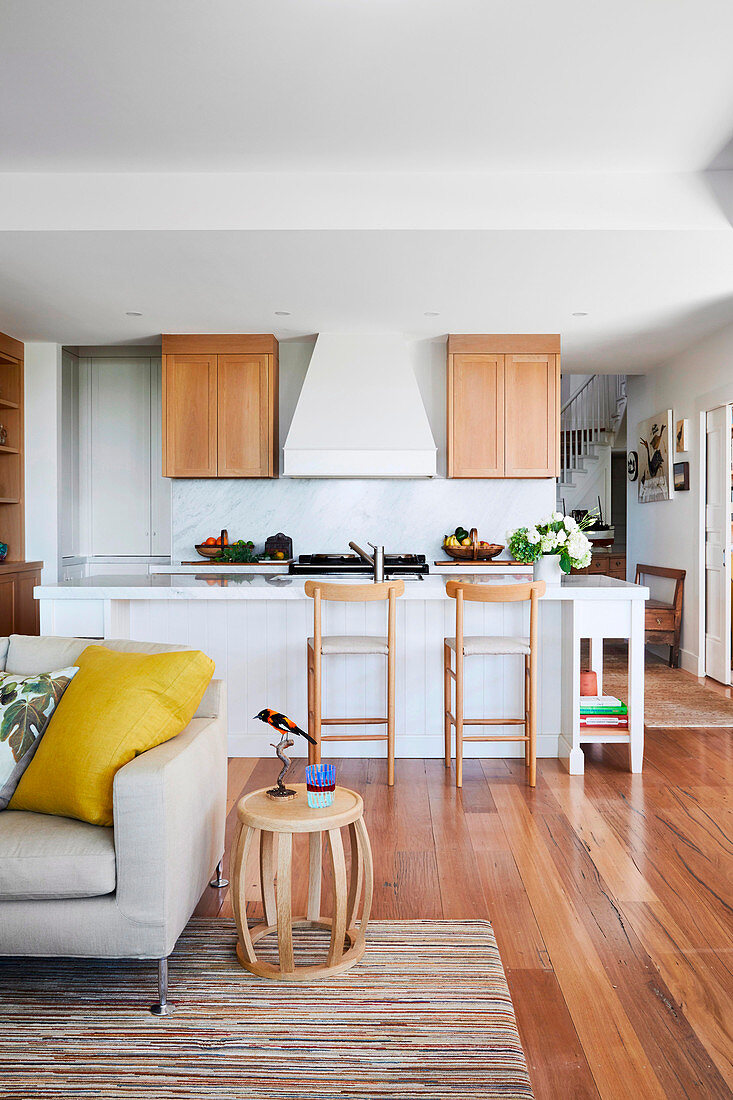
610 896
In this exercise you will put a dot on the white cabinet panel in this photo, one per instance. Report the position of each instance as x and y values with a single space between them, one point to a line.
69 512
160 487
120 452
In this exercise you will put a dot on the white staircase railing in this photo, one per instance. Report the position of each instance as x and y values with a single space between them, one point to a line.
591 416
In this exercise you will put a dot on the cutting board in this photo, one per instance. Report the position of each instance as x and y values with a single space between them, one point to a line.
237 564
506 562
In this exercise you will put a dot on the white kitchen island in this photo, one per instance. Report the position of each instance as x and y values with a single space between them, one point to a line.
255 628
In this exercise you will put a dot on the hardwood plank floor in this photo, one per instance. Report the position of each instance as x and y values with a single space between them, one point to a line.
611 896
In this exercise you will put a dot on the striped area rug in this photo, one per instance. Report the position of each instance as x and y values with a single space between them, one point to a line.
426 1014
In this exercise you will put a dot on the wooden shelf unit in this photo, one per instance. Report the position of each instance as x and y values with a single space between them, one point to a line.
12 506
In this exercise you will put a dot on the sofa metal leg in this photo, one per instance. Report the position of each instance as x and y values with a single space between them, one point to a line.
161 1006
218 882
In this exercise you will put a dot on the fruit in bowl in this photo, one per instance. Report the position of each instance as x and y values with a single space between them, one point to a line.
468 547
212 546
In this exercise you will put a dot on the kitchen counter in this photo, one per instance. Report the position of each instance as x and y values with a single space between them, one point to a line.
215 569
255 628
253 586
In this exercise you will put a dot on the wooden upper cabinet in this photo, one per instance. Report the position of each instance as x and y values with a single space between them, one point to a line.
476 414
189 415
503 406
531 391
220 399
244 434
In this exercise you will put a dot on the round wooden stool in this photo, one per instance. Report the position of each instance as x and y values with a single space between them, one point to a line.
276 823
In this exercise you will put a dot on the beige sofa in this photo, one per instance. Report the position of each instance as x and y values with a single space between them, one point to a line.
68 888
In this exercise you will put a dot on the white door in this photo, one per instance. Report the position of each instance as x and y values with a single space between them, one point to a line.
718 545
120 456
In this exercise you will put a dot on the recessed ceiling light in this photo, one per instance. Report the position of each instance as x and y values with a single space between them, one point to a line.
133 313
580 314
430 313
282 313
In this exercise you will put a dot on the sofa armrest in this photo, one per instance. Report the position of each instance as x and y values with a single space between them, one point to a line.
169 815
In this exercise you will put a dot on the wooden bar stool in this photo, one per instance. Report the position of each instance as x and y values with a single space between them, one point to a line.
480 646
323 645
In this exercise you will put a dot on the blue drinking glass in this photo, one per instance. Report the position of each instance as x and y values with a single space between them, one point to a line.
320 782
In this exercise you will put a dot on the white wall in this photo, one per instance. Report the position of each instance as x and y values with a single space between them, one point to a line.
325 513
669 532
43 367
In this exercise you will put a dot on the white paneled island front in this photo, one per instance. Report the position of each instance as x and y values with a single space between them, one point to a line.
255 628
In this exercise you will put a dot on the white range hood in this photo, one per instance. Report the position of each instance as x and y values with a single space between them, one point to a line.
360 413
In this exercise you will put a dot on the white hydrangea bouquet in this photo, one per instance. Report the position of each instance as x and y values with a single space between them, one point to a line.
556 535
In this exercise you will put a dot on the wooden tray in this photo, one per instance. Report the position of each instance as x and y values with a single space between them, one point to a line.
241 564
493 561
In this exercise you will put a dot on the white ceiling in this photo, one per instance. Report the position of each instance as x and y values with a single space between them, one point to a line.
505 163
232 85
647 294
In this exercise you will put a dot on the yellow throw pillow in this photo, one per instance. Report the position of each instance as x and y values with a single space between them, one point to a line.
117 706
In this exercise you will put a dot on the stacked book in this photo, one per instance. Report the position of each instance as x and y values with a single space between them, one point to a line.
603 710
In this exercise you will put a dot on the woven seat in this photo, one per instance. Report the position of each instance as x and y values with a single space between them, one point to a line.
352 643
463 645
320 646
477 645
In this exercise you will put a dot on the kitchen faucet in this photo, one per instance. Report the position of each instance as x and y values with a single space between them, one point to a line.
376 562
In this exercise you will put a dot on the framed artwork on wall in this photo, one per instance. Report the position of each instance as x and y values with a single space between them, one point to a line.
655 458
680 436
632 465
681 476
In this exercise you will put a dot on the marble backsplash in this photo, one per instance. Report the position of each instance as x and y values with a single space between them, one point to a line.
324 514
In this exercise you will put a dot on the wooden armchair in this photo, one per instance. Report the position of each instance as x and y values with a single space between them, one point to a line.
663 621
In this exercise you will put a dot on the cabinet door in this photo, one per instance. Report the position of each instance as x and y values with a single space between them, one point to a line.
190 416
26 605
476 416
531 393
120 456
7 605
160 487
244 420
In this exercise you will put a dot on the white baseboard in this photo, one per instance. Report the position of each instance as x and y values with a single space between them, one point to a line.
408 747
691 662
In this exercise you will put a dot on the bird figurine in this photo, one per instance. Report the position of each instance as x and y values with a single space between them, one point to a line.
285 726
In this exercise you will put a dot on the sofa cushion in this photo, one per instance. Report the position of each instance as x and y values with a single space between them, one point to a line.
25 653
117 706
26 706
28 653
44 857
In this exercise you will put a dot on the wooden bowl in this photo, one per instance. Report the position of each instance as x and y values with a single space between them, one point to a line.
474 552
208 551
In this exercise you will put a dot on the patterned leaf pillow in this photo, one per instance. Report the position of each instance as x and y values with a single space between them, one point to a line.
26 706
